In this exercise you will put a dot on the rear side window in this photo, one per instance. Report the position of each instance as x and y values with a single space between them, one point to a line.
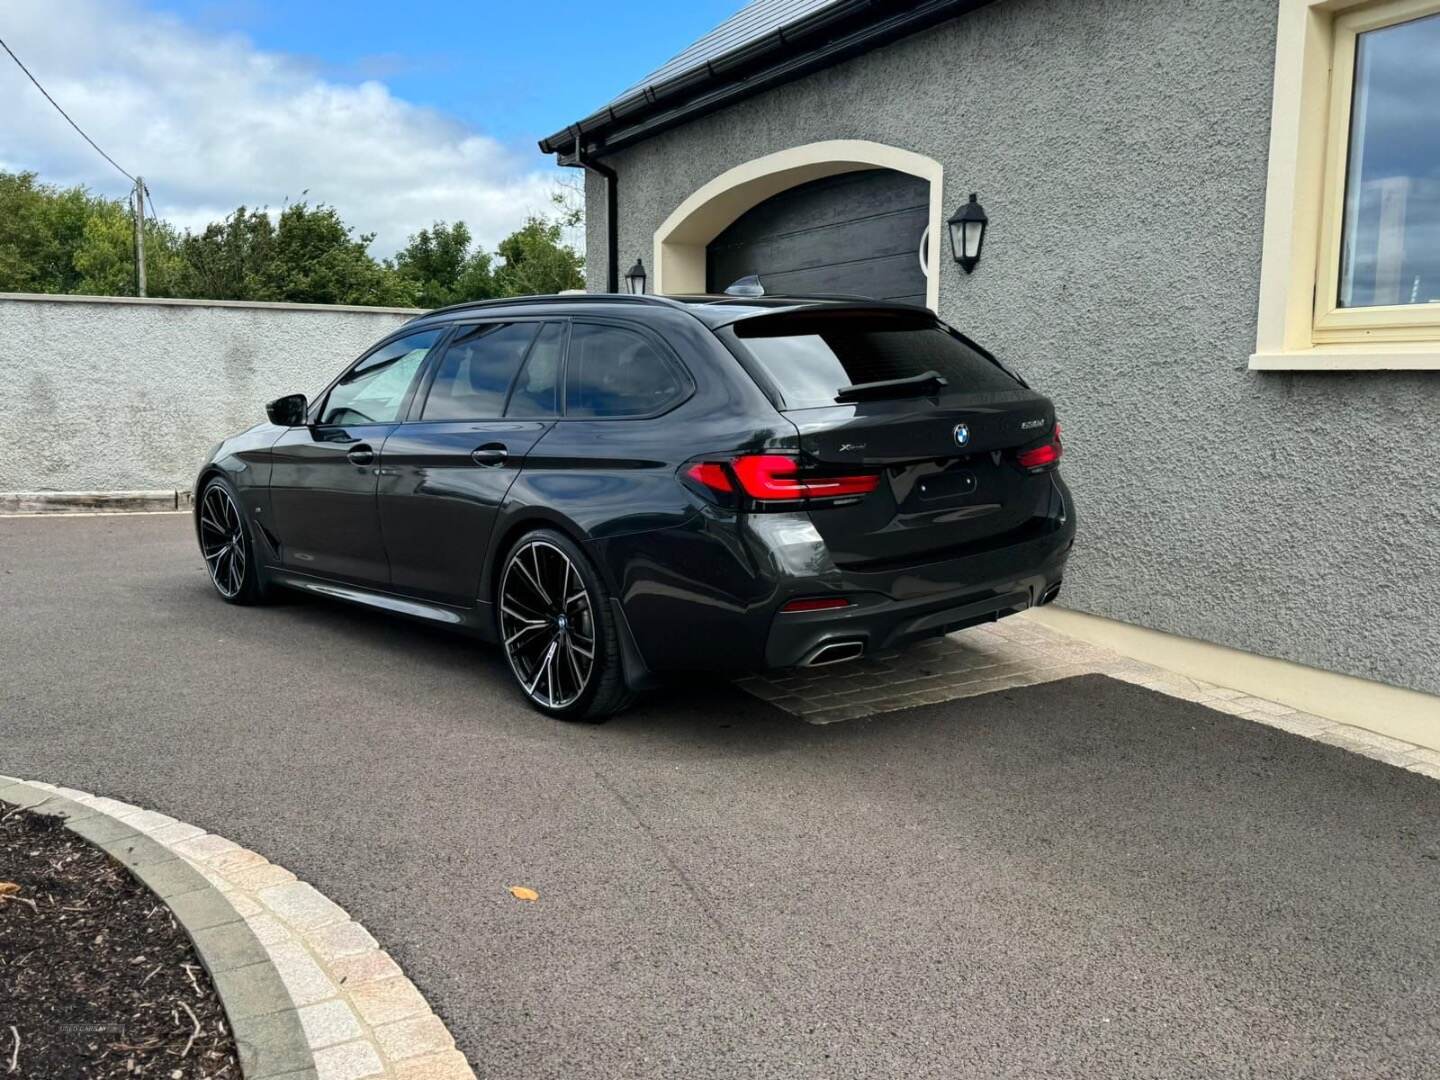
810 358
536 390
613 371
476 371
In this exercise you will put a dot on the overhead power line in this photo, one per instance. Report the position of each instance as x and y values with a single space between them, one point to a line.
141 193
63 113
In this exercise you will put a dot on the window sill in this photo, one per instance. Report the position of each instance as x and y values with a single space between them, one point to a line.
1419 357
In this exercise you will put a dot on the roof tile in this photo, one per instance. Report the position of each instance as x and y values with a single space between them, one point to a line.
752 22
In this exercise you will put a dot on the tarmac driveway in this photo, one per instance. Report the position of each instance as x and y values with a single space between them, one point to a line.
1081 879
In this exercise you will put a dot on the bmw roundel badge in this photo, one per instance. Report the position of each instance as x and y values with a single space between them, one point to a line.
962 434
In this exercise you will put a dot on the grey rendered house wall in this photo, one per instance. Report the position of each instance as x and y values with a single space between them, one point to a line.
1120 148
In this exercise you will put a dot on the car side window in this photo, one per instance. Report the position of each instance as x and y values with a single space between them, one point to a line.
535 390
612 371
476 371
374 390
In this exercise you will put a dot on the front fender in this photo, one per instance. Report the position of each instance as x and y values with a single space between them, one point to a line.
244 460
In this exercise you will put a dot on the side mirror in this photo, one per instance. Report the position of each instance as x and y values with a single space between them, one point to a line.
287 411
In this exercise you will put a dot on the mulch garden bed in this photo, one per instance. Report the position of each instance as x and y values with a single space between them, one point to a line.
97 979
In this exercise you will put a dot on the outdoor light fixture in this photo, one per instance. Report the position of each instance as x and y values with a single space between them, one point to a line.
967 233
635 279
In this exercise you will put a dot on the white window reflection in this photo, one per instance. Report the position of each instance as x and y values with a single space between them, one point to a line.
1391 240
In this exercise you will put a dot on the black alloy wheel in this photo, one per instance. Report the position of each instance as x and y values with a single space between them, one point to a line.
225 543
558 636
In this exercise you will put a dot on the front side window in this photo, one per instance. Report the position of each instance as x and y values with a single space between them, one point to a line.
374 390
615 372
476 371
1390 247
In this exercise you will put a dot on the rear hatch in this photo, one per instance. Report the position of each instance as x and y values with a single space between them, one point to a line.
962 448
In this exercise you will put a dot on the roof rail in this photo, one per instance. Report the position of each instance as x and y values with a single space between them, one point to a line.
555 298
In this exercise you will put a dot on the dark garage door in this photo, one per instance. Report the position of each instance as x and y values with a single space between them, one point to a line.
856 233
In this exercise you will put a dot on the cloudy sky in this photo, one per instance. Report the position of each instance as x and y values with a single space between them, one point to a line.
397 121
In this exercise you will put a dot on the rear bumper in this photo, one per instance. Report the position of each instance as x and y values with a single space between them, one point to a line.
986 588
707 596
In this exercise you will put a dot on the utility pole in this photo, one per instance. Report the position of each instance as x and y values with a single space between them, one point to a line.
139 236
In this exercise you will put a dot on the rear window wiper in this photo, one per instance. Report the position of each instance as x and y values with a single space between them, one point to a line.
924 383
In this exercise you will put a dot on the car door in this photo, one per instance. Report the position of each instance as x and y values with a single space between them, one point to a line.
323 475
485 403
609 461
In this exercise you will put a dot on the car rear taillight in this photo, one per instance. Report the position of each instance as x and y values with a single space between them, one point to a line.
776 478
816 603
711 474
1042 457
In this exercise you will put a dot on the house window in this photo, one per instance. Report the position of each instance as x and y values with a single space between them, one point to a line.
1351 277
1379 276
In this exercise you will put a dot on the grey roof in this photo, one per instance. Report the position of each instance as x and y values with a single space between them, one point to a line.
766 43
753 21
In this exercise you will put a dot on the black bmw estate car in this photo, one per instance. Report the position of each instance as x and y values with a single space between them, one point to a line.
620 488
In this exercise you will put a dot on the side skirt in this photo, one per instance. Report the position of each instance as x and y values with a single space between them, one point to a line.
478 620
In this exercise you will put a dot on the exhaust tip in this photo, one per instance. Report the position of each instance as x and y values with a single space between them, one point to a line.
835 652
1049 595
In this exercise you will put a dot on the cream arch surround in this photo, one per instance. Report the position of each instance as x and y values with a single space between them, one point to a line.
679 256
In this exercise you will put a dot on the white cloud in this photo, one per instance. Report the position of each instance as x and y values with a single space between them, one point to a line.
213 122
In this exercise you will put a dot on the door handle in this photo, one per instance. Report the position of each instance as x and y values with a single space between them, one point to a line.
490 454
361 455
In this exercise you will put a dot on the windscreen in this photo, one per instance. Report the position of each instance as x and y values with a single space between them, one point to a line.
810 357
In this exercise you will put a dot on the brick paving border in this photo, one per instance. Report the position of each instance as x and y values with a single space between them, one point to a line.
1020 651
309 994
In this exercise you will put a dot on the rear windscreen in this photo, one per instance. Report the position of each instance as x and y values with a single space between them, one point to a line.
810 357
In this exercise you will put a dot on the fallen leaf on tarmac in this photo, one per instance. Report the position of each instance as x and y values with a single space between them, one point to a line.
8 887
520 892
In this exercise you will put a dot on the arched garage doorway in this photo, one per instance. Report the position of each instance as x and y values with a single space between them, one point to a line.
682 242
858 233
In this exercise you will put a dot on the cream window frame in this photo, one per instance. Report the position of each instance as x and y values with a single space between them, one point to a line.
1300 326
1401 322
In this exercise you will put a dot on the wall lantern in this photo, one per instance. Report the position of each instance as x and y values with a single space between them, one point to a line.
967 233
635 279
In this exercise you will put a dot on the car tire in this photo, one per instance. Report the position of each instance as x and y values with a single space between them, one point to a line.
228 545
552 608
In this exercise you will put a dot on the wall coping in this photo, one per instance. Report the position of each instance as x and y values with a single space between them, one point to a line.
168 301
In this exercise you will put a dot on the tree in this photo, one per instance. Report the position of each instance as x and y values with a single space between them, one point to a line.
225 261
444 269
40 228
536 261
104 258
536 258
66 240
309 256
568 198
316 260
55 240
